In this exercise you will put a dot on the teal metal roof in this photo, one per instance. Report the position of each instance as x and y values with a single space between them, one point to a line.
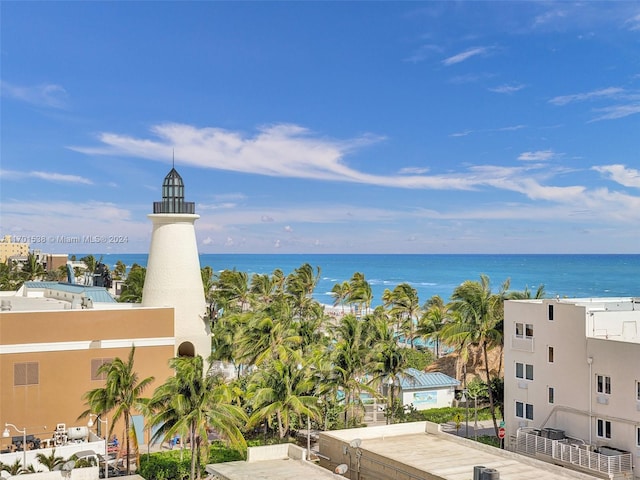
413 379
96 294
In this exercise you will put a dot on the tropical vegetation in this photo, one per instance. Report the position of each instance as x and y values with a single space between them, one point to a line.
297 364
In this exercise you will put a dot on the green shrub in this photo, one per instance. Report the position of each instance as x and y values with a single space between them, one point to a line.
168 466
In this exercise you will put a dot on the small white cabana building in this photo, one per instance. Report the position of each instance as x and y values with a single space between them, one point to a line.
427 390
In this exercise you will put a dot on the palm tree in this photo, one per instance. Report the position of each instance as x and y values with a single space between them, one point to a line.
119 270
340 293
133 285
526 294
350 356
406 306
122 393
360 292
15 468
284 390
9 276
91 263
194 400
225 332
32 269
387 358
50 461
268 334
231 291
477 322
434 316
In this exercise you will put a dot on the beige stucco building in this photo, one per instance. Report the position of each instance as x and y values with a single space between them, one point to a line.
8 248
54 336
572 382
50 352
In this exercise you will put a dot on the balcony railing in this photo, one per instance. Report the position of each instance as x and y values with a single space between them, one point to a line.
571 454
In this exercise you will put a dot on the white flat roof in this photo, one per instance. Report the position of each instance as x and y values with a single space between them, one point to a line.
445 455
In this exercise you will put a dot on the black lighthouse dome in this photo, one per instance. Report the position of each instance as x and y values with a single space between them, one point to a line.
173 196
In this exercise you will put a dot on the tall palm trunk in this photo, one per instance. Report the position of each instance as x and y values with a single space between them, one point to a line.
491 402
280 426
127 441
192 435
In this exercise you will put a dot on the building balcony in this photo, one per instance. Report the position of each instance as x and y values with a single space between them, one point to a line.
524 344
572 453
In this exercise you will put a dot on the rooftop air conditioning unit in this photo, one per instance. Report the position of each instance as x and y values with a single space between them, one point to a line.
552 433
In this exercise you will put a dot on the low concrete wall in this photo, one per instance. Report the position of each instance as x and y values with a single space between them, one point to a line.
276 452
87 473
64 451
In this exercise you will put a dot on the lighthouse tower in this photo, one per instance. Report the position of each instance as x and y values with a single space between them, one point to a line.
173 270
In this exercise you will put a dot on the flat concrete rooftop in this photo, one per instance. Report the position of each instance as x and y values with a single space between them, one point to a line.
420 450
417 451
282 462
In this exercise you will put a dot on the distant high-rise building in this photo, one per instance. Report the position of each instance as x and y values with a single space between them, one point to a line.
173 269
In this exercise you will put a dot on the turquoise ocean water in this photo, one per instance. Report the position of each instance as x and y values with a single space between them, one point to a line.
563 275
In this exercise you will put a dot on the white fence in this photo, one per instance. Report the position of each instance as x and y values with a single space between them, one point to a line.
572 454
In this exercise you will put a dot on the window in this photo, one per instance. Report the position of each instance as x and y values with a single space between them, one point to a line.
638 436
528 330
603 428
550 355
524 410
96 363
524 371
528 411
638 390
551 395
524 330
519 330
603 384
26 373
550 312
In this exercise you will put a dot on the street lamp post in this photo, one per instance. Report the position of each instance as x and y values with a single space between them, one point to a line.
6 434
106 440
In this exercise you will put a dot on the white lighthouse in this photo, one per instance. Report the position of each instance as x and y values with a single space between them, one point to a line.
173 270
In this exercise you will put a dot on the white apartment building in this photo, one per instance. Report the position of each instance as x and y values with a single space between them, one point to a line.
572 383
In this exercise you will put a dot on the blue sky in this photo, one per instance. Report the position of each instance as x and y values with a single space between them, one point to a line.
325 127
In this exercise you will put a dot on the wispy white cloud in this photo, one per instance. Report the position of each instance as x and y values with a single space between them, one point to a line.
507 88
537 156
467 54
548 17
422 53
510 128
628 177
413 171
617 111
45 95
633 23
461 134
611 112
47 176
279 150
610 92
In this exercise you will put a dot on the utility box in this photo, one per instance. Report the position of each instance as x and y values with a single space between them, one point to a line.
490 474
484 473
